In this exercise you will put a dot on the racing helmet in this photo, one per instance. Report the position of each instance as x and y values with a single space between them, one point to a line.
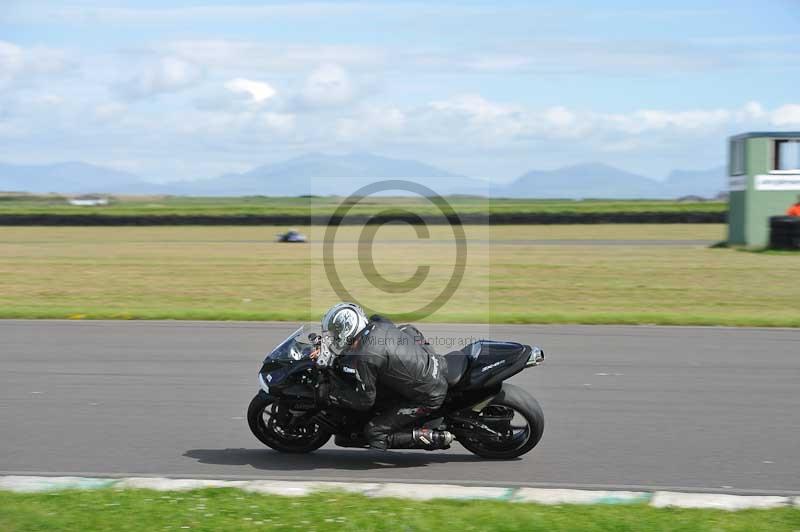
343 322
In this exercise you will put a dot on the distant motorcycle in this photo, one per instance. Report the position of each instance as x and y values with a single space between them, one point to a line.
292 236
489 417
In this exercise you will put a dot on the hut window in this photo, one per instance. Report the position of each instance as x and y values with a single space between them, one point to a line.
787 155
737 157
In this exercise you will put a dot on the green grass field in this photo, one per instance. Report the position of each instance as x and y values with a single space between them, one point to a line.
514 274
226 509
261 205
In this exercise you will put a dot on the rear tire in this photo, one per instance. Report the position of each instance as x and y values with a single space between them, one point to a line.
285 443
522 403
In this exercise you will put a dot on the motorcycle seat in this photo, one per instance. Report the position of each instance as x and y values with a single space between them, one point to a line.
457 366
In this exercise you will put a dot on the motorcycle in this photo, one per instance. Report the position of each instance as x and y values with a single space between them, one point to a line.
487 416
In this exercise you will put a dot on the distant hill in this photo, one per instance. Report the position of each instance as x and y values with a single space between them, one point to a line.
705 183
322 175
69 178
597 180
593 180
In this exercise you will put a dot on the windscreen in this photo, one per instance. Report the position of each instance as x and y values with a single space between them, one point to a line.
296 346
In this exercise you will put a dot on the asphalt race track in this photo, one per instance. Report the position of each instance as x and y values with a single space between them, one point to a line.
713 409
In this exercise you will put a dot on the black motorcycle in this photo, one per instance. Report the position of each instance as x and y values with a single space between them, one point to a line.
489 417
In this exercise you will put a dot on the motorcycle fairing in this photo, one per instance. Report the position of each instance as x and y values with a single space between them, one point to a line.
485 363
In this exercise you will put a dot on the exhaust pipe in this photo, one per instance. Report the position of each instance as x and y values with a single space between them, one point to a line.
535 358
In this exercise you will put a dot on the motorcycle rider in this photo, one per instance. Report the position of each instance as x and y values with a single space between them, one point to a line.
374 353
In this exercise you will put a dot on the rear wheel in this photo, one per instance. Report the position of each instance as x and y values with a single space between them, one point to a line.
268 424
517 416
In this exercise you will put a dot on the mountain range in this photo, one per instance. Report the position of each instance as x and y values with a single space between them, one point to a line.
67 178
597 180
322 174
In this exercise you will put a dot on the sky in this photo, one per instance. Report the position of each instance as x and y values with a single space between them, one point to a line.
178 90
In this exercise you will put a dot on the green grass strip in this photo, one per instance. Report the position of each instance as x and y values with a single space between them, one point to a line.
145 206
543 318
230 509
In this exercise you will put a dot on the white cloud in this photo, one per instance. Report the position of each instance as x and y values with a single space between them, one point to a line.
323 111
563 57
475 107
90 14
498 62
560 117
645 120
168 74
328 86
109 111
751 114
257 91
372 122
24 64
474 121
580 57
226 54
10 60
786 115
752 110
279 122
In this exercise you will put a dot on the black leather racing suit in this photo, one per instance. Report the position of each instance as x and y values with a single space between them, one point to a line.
384 356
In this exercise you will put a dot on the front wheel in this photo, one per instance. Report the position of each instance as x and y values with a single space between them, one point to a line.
517 416
264 417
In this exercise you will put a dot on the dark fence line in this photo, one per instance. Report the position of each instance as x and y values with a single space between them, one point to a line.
361 219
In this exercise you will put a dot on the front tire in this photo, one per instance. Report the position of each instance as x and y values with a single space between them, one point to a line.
271 434
510 398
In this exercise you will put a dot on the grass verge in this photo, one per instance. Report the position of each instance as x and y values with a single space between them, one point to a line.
228 509
514 274
273 206
543 318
